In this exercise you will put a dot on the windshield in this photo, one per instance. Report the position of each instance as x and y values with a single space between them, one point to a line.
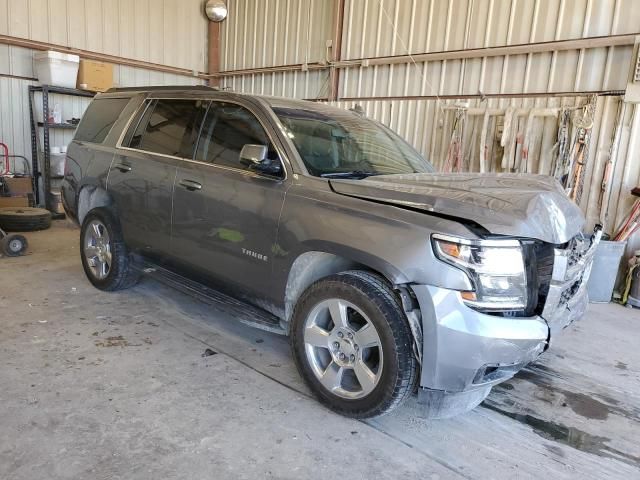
334 143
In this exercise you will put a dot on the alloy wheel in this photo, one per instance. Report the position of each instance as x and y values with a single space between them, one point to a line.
97 249
343 348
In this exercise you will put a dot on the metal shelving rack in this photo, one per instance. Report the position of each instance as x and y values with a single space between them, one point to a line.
46 126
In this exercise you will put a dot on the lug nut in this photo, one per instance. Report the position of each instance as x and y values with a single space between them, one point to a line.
350 335
340 334
352 358
336 345
355 346
342 356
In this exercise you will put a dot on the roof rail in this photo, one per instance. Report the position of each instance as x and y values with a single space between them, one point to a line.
161 88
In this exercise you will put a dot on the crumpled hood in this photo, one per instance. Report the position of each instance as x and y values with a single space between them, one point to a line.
523 205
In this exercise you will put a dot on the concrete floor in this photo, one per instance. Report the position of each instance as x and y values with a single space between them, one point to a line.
99 385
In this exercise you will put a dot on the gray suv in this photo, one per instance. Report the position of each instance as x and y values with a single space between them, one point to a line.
320 224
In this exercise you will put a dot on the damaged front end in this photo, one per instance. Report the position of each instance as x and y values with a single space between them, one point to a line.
467 350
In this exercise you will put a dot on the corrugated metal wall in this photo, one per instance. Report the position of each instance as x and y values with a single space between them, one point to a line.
399 27
169 32
277 32
408 96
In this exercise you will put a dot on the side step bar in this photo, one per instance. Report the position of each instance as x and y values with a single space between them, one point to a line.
243 312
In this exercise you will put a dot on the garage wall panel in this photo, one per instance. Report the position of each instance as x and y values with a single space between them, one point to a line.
400 27
275 32
110 26
442 25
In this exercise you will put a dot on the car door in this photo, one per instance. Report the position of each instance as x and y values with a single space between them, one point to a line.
226 215
143 171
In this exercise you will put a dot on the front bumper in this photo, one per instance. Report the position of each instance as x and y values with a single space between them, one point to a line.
464 349
466 352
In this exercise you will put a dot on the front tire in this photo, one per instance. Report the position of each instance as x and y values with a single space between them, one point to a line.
353 345
105 258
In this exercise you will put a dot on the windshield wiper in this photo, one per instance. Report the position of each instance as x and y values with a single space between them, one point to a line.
351 174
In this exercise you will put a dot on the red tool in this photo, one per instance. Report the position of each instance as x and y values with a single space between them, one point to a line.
632 222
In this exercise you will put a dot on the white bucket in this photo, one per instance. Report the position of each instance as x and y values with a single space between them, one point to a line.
58 69
57 161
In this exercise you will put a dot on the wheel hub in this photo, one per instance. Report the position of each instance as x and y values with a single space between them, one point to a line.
342 346
101 249
15 245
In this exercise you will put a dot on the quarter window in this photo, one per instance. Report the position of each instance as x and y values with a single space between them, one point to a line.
170 127
227 128
100 116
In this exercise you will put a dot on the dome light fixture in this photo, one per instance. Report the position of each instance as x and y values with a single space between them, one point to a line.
216 10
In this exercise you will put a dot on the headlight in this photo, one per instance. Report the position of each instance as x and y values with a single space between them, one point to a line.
495 267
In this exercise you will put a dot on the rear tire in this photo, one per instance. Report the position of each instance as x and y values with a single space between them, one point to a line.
24 219
105 257
361 365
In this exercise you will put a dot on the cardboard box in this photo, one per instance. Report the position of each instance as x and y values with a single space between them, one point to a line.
14 202
19 186
95 76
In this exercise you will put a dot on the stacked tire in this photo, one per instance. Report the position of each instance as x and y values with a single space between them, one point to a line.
24 219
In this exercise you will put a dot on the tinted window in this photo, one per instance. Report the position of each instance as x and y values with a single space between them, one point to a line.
170 127
227 128
99 118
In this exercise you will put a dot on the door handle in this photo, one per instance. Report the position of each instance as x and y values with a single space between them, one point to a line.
122 167
190 185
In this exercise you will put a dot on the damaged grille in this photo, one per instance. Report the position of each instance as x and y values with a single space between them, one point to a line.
542 258
571 266
576 248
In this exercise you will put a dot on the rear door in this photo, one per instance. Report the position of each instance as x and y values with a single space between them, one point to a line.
226 215
143 171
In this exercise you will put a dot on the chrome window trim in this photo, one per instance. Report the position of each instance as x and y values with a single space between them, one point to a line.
144 104
147 101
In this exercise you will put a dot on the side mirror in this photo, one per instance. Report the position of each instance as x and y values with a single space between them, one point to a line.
253 155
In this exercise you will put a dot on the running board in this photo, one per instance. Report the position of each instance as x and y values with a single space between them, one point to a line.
243 312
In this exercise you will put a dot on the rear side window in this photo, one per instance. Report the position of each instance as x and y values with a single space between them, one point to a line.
98 119
170 127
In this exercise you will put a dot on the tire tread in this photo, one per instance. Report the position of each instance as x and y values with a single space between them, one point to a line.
24 219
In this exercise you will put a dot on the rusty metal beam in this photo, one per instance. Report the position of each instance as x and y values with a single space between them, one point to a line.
488 95
520 49
214 53
280 68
